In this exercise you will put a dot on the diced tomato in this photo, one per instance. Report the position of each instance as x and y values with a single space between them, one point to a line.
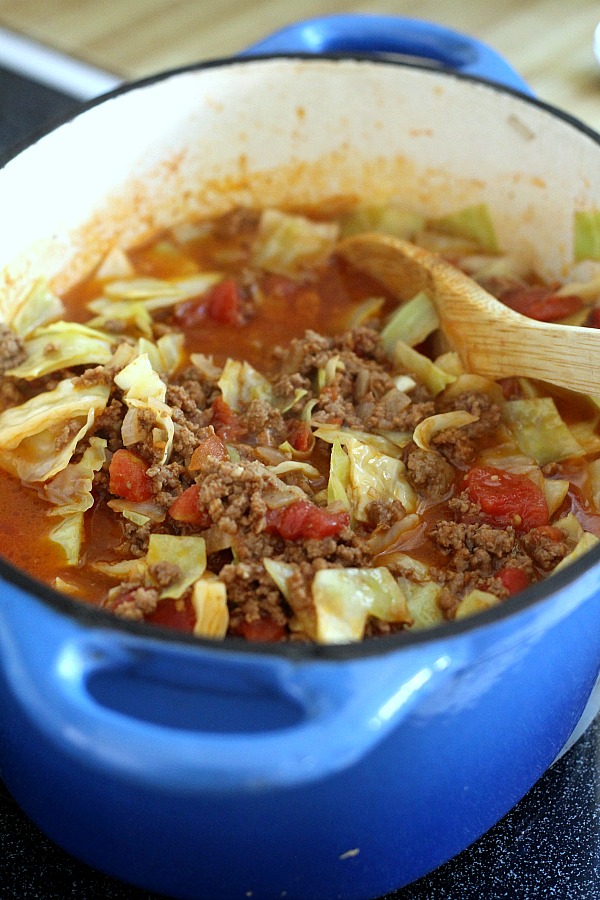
128 478
507 498
513 579
304 520
177 614
261 630
224 302
225 422
551 532
300 435
210 446
541 303
186 508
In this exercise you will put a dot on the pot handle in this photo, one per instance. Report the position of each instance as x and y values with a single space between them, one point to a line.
392 34
187 718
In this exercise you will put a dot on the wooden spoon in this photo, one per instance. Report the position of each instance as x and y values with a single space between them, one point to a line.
490 338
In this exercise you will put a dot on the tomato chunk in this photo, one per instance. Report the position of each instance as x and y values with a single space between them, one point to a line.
224 303
300 435
210 446
128 478
541 303
261 630
513 579
177 614
186 508
507 498
304 520
225 422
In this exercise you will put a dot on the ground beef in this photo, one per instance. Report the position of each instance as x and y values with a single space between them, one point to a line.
168 482
428 472
460 445
384 514
265 421
12 351
252 594
164 573
545 548
130 601
108 424
473 546
233 494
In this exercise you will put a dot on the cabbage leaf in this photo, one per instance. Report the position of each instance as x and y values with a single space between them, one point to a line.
38 438
539 430
286 243
345 598
376 476
412 322
209 600
240 383
34 308
433 377
186 551
144 389
62 344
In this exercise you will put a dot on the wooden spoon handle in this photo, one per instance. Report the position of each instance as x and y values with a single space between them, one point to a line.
490 338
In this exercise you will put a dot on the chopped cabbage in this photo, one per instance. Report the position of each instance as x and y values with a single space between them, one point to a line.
116 264
379 442
539 430
434 378
474 223
281 573
129 312
164 355
209 599
422 602
594 483
157 293
389 218
555 491
585 543
339 475
62 344
432 425
68 534
586 234
187 552
38 438
38 306
412 322
474 602
326 376
376 476
285 243
345 598
71 489
240 383
144 389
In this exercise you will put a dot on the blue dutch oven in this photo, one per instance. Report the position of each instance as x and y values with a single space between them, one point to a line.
205 770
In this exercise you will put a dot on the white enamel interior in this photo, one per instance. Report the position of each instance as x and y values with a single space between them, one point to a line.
292 132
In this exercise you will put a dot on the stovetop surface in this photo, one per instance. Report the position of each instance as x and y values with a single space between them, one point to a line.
547 847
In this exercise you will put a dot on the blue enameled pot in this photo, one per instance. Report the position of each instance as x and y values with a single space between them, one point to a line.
227 770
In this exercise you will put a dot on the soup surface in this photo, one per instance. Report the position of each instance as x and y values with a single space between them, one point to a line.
232 432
